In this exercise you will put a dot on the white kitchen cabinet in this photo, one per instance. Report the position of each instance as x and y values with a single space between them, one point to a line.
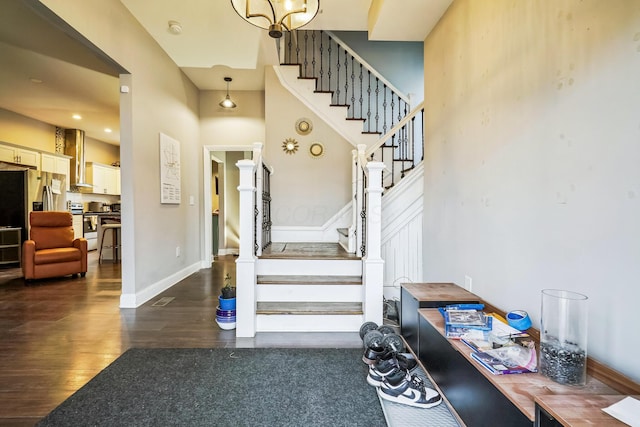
53 163
105 179
20 156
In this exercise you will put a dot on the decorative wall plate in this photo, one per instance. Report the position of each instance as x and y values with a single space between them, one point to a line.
316 150
290 146
304 126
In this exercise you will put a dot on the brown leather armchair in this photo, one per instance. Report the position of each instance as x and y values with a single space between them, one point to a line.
52 251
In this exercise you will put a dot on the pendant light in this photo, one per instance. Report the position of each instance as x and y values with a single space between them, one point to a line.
277 16
227 102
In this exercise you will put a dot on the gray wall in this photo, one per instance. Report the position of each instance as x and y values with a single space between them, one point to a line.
401 63
161 100
531 162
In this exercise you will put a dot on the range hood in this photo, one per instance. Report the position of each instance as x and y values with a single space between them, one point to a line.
74 147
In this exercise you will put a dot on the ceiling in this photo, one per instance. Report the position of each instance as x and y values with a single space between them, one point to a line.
54 75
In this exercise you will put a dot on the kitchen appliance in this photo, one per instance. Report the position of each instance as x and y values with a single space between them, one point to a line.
76 208
96 207
23 189
115 207
90 230
74 147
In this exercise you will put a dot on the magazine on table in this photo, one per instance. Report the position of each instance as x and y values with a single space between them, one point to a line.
504 350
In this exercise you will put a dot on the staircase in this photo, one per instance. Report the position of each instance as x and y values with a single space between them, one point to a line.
312 287
336 286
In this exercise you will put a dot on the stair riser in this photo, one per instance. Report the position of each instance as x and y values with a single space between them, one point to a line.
309 267
309 293
308 323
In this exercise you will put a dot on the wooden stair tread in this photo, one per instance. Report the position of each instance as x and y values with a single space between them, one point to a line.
309 280
307 251
310 308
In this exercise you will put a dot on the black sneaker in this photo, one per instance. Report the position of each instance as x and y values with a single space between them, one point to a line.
382 368
371 354
409 390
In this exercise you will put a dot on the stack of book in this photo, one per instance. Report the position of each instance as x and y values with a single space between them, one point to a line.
466 321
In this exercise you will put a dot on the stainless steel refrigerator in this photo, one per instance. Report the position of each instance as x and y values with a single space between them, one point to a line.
23 190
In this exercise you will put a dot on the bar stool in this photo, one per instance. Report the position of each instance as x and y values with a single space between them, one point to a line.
114 240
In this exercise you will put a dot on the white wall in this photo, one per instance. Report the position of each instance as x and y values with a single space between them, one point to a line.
161 100
305 191
531 164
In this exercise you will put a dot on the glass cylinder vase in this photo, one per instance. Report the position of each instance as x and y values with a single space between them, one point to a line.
563 336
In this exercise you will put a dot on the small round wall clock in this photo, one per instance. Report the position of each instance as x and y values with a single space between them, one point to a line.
316 150
304 126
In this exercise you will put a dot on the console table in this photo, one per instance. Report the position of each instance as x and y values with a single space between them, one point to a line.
414 296
481 398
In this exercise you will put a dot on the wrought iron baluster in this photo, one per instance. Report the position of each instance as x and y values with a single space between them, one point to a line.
306 50
329 65
321 62
361 116
313 53
368 101
338 75
353 88
377 117
346 78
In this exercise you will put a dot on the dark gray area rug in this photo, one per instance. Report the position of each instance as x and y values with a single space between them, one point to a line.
226 387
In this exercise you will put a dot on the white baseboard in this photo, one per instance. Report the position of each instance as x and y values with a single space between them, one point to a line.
137 299
327 232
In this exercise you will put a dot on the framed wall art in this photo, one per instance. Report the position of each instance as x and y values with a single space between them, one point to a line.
169 170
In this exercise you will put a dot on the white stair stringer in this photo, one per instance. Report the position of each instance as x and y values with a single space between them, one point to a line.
320 103
401 233
332 289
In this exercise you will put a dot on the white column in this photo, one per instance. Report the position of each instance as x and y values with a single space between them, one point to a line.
246 262
373 274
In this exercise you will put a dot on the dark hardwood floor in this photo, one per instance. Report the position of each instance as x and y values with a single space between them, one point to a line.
58 334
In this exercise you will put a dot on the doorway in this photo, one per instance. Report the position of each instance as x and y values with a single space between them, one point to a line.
221 204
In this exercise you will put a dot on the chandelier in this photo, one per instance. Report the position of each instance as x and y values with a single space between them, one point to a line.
277 15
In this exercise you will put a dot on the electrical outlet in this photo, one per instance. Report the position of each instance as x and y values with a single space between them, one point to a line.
177 251
468 283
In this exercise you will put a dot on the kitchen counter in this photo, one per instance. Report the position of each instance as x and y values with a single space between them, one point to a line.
103 214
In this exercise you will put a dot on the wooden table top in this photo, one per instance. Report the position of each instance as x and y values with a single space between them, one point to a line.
439 292
581 411
522 389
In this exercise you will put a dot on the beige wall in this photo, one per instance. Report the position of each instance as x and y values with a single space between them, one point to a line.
161 100
100 152
305 191
242 125
531 160
20 130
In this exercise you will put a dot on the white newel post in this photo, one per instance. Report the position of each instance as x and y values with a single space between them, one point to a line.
246 262
373 262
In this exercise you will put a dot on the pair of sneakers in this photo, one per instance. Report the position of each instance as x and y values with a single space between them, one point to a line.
395 382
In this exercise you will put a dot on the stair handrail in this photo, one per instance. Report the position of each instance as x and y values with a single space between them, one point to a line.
369 67
384 138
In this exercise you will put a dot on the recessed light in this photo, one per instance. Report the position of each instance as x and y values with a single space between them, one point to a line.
107 130
34 80
77 117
